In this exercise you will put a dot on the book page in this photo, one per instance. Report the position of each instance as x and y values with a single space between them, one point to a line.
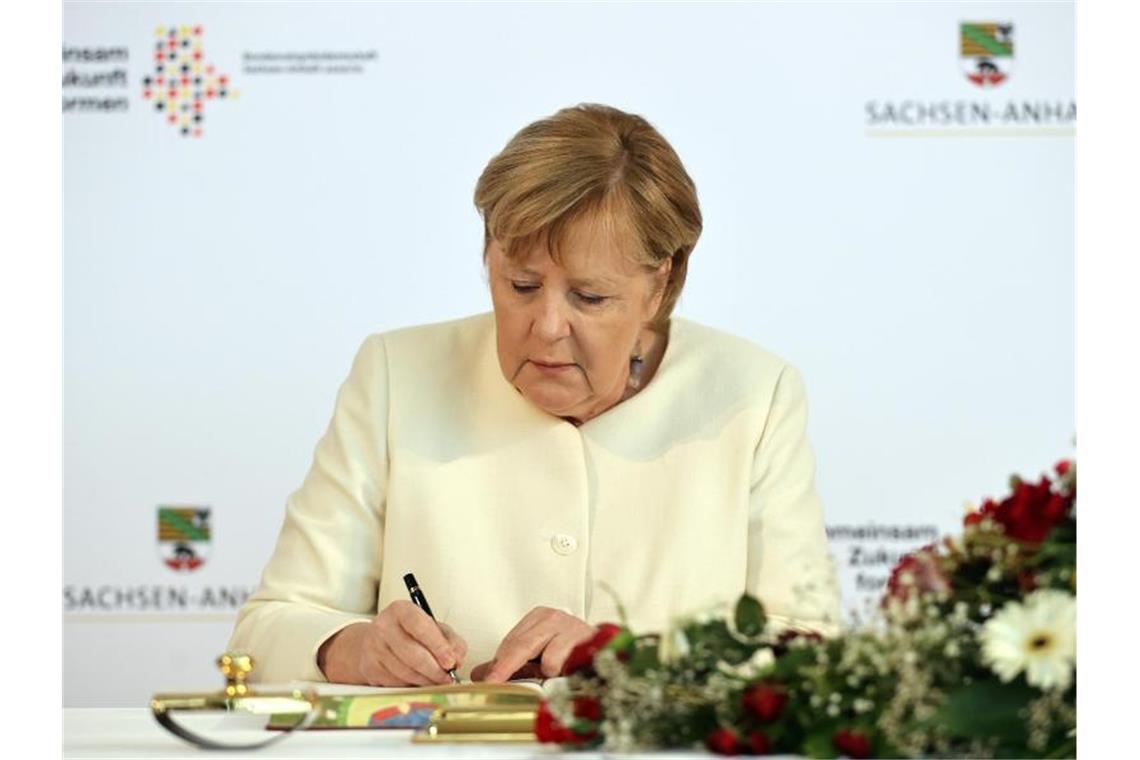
343 689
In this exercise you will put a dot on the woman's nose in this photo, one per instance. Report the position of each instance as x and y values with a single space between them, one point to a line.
552 321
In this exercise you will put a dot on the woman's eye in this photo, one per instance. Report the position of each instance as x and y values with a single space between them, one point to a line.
524 287
592 300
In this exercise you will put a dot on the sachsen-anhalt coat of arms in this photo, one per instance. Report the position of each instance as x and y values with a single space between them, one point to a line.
986 51
184 537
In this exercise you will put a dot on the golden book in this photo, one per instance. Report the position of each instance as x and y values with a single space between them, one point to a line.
498 712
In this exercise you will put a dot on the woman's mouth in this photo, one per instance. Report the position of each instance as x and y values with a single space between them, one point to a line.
551 368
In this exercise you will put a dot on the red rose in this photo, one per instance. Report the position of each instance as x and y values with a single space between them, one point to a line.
916 572
765 700
852 743
1062 468
588 708
1031 512
548 729
605 632
582 656
722 741
758 743
1028 514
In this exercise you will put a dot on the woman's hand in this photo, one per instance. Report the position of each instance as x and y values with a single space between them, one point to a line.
402 646
543 632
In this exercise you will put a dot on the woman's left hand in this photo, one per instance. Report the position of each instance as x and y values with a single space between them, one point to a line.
543 632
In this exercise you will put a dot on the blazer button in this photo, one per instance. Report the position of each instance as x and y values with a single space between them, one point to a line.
563 544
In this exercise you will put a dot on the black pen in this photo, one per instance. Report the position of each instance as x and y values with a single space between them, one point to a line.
421 601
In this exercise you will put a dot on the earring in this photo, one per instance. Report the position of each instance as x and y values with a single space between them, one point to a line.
635 364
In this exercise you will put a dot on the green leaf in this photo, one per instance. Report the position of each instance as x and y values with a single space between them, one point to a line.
750 618
790 663
643 659
623 640
582 727
819 744
987 708
1067 748
880 747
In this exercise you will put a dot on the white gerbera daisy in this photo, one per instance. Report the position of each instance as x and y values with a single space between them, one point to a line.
1038 637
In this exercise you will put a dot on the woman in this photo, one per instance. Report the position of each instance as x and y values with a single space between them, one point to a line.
577 435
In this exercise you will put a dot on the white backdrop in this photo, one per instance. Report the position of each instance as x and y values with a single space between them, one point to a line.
217 287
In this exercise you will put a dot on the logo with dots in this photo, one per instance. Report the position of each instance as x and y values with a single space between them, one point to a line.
182 82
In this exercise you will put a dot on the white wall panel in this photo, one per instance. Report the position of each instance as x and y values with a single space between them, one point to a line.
216 288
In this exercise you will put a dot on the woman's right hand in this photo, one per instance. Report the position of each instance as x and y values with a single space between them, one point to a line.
402 646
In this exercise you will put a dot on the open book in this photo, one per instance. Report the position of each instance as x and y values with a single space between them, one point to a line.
477 711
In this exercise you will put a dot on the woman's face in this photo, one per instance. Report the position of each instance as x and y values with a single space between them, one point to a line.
566 332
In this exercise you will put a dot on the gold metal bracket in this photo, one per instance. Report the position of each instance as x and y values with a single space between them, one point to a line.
237 696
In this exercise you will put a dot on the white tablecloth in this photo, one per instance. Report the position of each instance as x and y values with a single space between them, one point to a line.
100 732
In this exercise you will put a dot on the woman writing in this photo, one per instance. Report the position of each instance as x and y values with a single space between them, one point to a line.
576 434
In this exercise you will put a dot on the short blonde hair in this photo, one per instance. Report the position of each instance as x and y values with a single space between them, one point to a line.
593 162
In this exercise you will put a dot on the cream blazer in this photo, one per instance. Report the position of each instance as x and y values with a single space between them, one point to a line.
680 498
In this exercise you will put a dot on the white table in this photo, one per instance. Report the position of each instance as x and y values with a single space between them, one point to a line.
101 732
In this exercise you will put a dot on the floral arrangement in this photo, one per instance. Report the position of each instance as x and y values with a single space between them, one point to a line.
972 654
